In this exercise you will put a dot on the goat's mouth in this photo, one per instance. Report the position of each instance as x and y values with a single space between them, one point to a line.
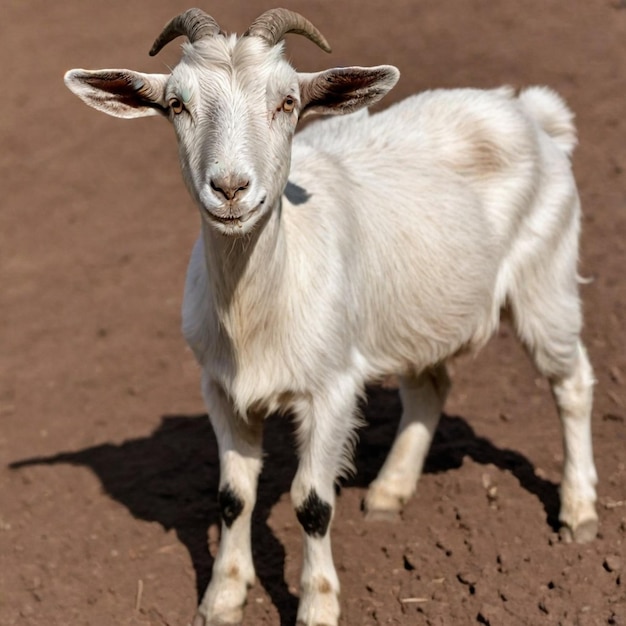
234 224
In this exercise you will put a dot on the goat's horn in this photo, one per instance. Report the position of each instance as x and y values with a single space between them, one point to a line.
195 24
274 24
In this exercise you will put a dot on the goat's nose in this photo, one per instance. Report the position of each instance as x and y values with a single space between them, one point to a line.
229 185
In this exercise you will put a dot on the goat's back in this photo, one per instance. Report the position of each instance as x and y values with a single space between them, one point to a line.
430 202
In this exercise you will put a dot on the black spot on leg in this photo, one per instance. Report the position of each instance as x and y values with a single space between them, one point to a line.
314 515
231 505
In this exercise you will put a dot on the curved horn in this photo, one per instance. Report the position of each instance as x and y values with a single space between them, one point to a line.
195 24
274 24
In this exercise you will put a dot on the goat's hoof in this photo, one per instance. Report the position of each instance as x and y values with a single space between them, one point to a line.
583 533
579 520
382 505
381 515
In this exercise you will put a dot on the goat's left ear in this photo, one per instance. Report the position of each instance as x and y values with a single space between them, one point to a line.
345 89
121 93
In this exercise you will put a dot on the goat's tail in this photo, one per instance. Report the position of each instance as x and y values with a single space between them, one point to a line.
553 115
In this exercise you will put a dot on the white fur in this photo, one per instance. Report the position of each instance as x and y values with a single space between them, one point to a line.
422 223
371 245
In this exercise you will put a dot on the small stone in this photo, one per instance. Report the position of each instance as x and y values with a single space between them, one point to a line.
468 578
616 375
491 615
439 595
554 539
409 566
486 480
442 547
613 563
503 563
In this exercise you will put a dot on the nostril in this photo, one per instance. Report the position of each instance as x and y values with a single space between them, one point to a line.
229 186
215 187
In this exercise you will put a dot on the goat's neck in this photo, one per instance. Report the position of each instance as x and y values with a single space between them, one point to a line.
242 270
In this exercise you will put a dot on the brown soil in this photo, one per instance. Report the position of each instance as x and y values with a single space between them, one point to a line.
108 467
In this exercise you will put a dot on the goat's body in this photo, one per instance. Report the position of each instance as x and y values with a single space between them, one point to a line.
365 246
403 235
399 239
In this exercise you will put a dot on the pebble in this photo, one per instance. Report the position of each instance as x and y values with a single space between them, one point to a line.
543 606
616 375
409 564
491 615
613 563
439 595
468 578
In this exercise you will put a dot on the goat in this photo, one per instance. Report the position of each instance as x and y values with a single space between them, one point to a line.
365 245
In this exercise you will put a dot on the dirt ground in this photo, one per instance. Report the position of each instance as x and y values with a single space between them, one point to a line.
108 466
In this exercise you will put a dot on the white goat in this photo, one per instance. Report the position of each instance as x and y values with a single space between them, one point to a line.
370 245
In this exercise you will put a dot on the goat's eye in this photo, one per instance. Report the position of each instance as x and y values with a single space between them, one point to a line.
176 105
289 104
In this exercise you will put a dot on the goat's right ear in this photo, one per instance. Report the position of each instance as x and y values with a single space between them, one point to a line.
345 89
121 93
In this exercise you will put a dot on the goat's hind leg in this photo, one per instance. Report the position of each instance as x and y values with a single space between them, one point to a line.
574 394
240 450
423 398
548 320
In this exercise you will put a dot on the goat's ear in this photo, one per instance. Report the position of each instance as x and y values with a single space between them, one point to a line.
121 93
345 89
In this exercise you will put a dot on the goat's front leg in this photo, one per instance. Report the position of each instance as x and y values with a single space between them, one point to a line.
240 450
324 432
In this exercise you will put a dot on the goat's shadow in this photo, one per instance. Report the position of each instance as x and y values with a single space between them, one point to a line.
171 477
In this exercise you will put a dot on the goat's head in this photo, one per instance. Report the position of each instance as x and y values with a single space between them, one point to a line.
234 103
